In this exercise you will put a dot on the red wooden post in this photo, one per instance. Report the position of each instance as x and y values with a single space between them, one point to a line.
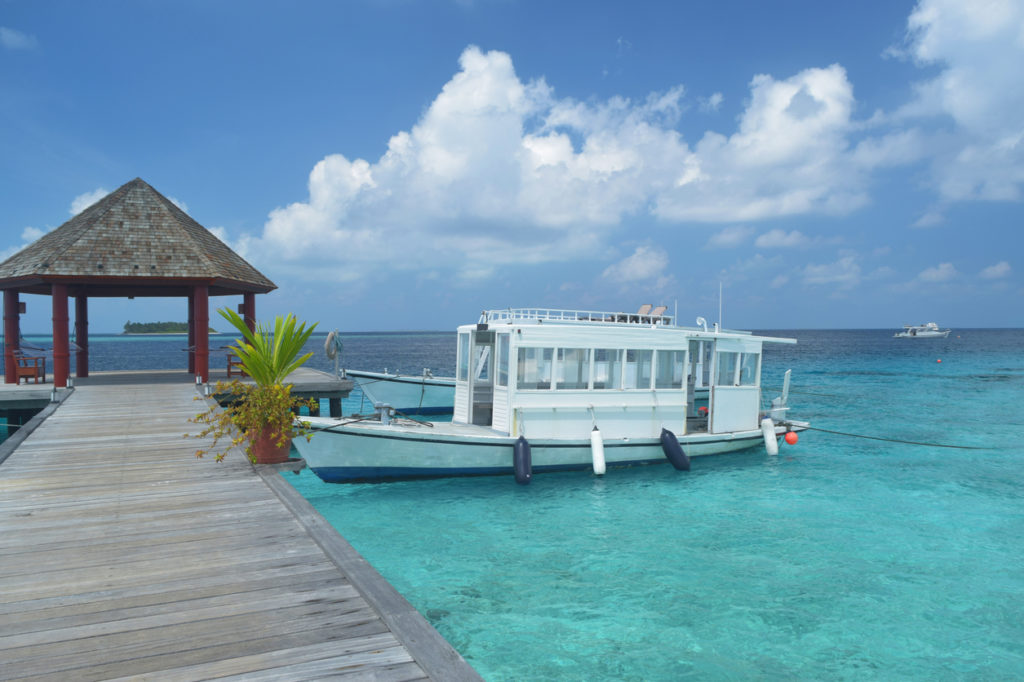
249 306
202 328
61 356
191 334
12 334
82 335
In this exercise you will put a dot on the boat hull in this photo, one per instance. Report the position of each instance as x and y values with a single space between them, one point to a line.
369 451
922 335
415 395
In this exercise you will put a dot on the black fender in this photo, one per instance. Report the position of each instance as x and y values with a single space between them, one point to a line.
521 461
674 451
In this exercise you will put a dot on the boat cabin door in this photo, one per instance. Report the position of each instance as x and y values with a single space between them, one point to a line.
698 378
481 379
735 391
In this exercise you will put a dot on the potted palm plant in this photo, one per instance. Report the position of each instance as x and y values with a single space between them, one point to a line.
260 413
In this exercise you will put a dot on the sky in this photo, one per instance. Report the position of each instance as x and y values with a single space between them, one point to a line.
404 165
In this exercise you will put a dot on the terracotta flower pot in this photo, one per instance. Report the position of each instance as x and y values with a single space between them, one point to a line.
265 450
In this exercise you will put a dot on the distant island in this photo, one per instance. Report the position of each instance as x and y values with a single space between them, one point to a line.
158 328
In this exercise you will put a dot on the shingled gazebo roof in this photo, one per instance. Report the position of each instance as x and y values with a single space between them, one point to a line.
133 242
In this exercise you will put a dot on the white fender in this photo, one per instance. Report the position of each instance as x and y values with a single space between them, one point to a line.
771 443
597 451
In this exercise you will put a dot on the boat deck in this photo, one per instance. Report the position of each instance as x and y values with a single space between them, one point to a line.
124 555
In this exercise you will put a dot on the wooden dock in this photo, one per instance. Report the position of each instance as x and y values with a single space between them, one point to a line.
122 555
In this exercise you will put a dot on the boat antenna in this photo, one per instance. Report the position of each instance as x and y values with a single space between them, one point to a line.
721 323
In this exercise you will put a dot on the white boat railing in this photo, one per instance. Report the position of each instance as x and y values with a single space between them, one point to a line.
510 315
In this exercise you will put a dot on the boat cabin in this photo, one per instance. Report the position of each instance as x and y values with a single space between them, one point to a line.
558 373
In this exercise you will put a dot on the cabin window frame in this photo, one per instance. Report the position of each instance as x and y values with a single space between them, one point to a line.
635 371
747 375
616 364
678 361
583 369
523 368
462 362
503 353
726 372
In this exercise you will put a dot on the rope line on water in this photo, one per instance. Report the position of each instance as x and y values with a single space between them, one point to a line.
894 440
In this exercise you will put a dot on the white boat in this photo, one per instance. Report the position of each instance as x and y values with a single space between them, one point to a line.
542 390
407 393
929 330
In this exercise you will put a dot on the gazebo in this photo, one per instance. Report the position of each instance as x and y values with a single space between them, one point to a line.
133 242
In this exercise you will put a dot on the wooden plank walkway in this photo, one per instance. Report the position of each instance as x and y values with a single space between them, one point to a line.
122 555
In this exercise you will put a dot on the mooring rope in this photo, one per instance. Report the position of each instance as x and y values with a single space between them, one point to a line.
890 440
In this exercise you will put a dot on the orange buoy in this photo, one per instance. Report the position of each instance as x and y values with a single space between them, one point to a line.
791 437
939 360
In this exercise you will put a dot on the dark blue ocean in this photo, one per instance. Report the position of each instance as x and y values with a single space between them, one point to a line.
842 558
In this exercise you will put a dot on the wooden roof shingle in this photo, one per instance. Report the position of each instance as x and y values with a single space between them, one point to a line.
133 237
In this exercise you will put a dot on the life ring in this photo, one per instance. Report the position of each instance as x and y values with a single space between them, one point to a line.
332 344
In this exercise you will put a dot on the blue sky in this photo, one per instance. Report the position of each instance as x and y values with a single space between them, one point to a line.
397 165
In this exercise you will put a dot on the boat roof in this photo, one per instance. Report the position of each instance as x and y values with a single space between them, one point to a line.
606 320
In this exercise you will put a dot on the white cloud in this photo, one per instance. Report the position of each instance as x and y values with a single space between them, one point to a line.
940 273
845 272
777 239
645 263
789 156
179 203
998 271
730 237
978 47
502 170
28 235
84 201
16 40
712 103
780 281
930 219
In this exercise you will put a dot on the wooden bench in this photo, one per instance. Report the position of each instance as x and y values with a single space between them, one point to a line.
235 366
29 366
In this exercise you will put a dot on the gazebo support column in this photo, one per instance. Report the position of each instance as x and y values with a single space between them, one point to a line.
82 335
12 334
61 356
201 294
191 334
249 310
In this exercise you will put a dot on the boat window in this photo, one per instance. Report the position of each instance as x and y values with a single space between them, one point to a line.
607 368
700 362
503 359
748 369
482 367
727 365
534 369
670 369
573 370
463 373
638 368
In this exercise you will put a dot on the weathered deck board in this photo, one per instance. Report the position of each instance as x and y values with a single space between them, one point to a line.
125 556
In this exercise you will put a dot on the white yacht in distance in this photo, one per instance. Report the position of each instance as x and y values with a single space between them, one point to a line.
544 390
922 331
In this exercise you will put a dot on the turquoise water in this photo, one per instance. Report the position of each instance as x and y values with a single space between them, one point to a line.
842 558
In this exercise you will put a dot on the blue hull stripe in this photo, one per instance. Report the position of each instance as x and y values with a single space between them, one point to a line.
356 474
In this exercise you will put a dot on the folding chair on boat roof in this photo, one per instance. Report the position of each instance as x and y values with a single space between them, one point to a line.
644 309
655 315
